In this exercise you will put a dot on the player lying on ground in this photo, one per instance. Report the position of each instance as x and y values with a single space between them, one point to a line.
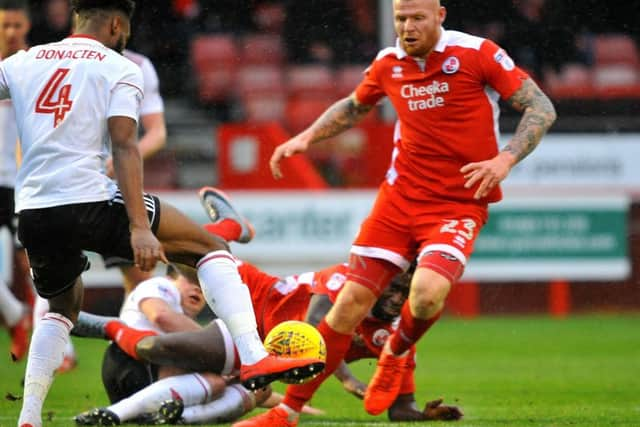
274 300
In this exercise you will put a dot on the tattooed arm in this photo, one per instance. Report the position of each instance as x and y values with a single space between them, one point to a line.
341 116
539 115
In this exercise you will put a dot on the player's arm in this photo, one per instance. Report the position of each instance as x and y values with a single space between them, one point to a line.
159 312
155 134
405 409
538 114
128 170
339 117
319 306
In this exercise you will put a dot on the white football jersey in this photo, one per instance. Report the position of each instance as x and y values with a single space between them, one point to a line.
156 287
152 102
8 141
63 93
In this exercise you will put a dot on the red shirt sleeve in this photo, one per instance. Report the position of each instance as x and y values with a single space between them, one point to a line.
499 70
369 91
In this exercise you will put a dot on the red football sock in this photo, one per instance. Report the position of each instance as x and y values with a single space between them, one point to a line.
125 337
228 229
409 330
337 346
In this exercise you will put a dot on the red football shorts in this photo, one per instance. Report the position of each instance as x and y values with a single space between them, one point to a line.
398 229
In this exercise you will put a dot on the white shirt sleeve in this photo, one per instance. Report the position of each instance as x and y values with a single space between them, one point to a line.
157 287
152 102
4 86
127 95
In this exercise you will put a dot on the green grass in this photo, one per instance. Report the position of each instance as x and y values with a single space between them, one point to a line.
507 371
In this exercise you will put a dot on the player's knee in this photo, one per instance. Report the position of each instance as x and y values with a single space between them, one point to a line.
352 305
216 383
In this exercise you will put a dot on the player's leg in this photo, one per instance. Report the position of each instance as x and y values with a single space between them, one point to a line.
16 316
70 360
46 352
190 389
446 246
187 243
234 403
227 222
51 237
378 254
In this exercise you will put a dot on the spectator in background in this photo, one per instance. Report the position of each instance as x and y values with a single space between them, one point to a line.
55 22
327 31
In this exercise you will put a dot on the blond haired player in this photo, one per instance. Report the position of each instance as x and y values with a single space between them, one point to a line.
446 168
75 99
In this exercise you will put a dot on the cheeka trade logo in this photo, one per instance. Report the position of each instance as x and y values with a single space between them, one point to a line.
450 65
430 95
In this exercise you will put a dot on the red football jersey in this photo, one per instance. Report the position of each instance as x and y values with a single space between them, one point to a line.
448 111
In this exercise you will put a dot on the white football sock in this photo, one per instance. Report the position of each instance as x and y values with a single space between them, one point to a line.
192 389
229 298
11 309
40 308
234 403
45 355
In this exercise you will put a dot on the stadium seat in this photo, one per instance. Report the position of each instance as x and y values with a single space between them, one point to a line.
208 50
617 81
260 79
214 59
347 78
161 171
262 49
302 111
573 81
264 108
615 49
310 80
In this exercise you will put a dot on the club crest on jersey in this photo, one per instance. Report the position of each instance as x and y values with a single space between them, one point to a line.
380 337
505 60
451 65
396 72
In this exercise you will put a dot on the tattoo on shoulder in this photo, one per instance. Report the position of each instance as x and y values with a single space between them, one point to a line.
538 116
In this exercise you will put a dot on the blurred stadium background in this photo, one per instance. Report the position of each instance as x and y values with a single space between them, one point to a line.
238 77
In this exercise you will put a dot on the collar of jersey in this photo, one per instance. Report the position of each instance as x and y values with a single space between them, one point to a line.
440 46
84 38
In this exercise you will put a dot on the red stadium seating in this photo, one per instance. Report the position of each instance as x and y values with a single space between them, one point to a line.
214 59
262 49
260 79
310 80
264 108
302 111
348 77
615 49
573 81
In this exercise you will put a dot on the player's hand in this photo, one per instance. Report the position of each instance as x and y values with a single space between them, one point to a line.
111 173
435 410
488 173
354 386
147 250
297 144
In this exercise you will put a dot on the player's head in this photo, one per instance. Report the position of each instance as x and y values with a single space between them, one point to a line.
417 24
191 298
388 306
110 20
14 26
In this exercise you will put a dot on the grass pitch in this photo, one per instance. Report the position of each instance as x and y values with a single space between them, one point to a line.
506 371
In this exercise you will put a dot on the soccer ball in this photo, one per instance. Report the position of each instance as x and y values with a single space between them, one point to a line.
300 340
